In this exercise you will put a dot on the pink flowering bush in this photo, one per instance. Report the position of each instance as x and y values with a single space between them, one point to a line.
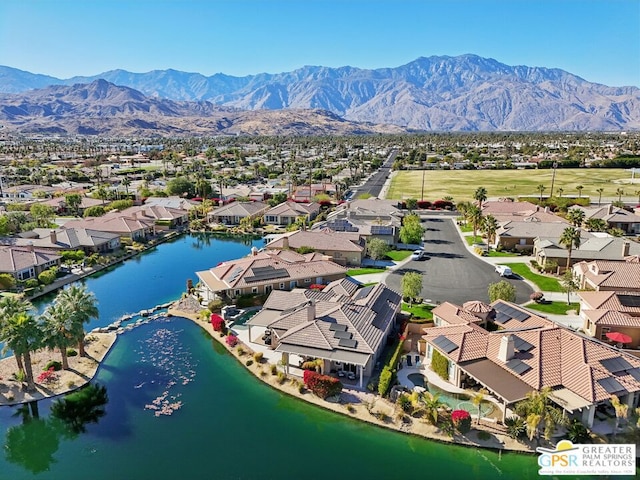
461 420
217 322
232 340
48 376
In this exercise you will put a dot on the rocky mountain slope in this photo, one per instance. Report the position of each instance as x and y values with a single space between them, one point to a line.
443 93
102 108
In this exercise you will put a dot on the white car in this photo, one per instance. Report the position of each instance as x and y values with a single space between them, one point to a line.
503 270
417 255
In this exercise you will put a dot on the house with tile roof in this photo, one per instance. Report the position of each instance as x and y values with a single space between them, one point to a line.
90 241
528 352
344 326
521 235
596 247
287 213
129 228
234 212
345 248
162 216
606 275
615 217
26 262
266 271
611 311
510 211
59 204
171 202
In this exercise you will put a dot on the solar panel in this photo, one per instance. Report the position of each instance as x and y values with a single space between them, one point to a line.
507 312
518 366
266 273
444 344
521 345
635 373
346 342
346 335
501 317
337 327
616 364
381 230
363 292
611 385
629 300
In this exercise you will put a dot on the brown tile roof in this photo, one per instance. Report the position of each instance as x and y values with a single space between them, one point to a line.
609 301
454 315
612 318
323 240
16 259
606 275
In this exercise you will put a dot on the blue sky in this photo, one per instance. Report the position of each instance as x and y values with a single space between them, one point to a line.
598 40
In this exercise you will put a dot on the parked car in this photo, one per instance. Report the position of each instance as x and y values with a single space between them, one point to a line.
417 254
503 270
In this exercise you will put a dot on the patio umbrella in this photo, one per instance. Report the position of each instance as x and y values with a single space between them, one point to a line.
619 337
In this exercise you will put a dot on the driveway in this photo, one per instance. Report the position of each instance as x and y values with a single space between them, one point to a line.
450 272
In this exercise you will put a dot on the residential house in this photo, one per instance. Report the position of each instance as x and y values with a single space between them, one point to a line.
288 212
175 202
527 353
90 241
128 228
521 235
509 211
28 192
59 204
26 262
610 311
234 212
602 275
615 217
596 247
306 193
263 272
162 216
344 248
342 325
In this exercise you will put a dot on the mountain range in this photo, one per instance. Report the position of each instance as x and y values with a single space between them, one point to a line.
440 93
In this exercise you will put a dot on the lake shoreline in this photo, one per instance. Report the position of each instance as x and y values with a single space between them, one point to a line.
361 404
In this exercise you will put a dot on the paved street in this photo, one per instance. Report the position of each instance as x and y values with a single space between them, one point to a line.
450 271
374 184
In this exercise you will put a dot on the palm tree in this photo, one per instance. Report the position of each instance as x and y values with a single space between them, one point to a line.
126 182
533 421
638 193
475 215
480 196
22 335
541 188
58 330
622 410
619 192
10 307
432 405
477 400
82 306
596 225
579 188
463 209
576 217
490 227
537 409
599 190
569 239
560 192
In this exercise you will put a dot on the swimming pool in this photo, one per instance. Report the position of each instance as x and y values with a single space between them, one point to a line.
457 401
242 319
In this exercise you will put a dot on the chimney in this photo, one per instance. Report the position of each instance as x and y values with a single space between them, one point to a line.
285 243
311 311
609 209
30 246
507 348
254 251
625 248
54 237
546 209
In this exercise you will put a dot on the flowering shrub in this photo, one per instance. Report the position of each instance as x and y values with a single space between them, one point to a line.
461 420
232 340
536 296
443 204
322 385
316 286
424 204
48 376
217 322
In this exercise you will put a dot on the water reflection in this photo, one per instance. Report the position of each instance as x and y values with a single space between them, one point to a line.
80 408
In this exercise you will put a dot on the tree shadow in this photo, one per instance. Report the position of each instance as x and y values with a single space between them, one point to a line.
438 242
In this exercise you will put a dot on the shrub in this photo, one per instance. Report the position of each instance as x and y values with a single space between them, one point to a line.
536 296
274 369
404 402
461 420
258 357
53 364
440 364
516 427
231 340
281 378
71 384
386 376
47 376
240 350
215 305
248 363
71 352
217 322
322 385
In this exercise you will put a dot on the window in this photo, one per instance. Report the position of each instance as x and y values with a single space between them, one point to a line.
281 287
236 293
603 333
293 284
254 289
307 280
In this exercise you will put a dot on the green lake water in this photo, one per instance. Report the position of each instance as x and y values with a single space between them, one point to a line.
226 424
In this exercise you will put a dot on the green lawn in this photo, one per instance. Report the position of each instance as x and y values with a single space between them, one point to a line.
557 308
419 311
466 228
398 255
471 239
494 253
461 184
544 283
364 271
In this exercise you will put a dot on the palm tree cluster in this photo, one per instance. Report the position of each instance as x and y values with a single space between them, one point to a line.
59 327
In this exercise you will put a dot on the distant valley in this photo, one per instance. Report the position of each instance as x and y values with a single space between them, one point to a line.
463 93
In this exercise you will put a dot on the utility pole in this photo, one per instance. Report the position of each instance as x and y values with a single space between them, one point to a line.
553 178
422 191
